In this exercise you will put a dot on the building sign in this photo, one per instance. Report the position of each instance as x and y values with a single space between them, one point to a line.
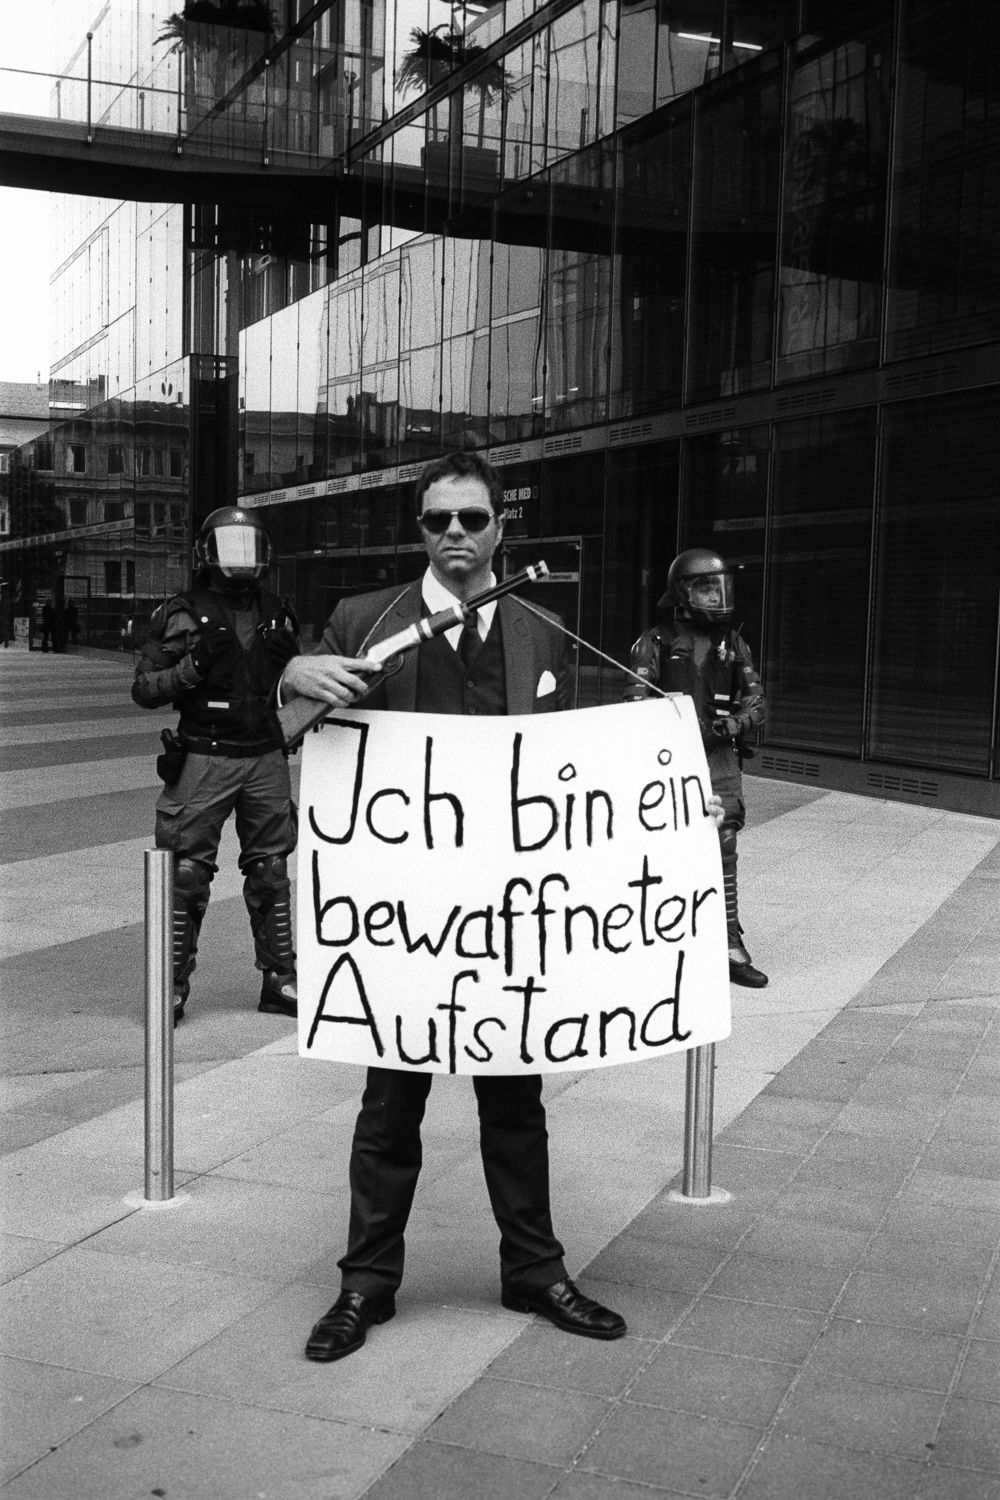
512 895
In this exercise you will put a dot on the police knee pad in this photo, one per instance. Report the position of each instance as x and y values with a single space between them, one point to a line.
268 874
727 842
192 879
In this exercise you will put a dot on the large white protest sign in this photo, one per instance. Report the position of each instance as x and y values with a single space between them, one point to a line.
509 895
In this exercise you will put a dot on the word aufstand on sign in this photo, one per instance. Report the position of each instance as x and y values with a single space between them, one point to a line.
509 895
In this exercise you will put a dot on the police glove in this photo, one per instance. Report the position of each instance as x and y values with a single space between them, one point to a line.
280 645
215 643
725 728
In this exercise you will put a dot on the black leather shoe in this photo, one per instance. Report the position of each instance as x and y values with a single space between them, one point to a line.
566 1306
342 1330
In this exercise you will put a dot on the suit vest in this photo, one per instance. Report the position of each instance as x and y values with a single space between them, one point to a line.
443 687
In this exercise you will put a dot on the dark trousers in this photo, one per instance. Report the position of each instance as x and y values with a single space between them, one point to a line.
385 1164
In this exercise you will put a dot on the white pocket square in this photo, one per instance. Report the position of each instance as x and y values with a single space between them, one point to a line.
546 685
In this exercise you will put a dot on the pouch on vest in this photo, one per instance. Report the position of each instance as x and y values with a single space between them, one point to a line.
170 761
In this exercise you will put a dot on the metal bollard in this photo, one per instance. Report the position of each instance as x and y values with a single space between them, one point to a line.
699 1103
159 1026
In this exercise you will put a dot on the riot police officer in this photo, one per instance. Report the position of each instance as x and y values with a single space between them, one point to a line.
698 652
215 653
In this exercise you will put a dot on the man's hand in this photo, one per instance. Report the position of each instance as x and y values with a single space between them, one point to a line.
338 680
215 643
715 810
280 646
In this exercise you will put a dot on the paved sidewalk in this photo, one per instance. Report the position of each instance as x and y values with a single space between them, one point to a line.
833 1330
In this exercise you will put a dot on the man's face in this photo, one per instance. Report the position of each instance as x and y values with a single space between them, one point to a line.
458 555
707 591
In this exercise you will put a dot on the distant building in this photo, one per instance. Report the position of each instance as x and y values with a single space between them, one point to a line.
688 273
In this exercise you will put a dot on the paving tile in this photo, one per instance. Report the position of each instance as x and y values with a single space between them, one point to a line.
891 1356
941 1483
119 1316
647 1445
811 1244
581 1486
634 1259
163 1442
18 1254
980 1376
439 1471
521 1421
888 1122
544 1356
785 1283
934 1306
713 1385
44 1405
851 1413
858 1206
970 1435
987 1324
791 1468
753 1329
715 1224
957 1188
408 1371
252 1228
48 1195
750 1172
779 1124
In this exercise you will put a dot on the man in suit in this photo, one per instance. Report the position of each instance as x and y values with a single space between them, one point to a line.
506 660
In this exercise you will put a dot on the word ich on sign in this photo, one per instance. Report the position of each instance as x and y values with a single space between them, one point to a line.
509 895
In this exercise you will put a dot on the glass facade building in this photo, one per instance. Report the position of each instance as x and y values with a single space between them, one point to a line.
708 273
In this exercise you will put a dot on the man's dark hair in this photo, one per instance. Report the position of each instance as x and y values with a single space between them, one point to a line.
461 465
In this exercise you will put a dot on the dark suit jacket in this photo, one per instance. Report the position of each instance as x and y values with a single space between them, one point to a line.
534 651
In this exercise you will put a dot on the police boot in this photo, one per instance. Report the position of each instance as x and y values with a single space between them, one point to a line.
267 892
741 967
192 882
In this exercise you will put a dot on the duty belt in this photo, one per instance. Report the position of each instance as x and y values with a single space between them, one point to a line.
229 748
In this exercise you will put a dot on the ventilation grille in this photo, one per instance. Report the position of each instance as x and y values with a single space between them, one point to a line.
916 381
906 786
513 454
629 432
719 414
556 445
805 401
785 766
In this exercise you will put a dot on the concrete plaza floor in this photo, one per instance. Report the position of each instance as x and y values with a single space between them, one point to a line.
832 1330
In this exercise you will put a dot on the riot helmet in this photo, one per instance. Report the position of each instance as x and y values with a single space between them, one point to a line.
700 584
233 545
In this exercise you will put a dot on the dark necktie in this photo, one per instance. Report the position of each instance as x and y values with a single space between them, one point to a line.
469 641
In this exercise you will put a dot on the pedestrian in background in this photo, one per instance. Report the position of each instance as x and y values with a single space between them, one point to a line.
215 653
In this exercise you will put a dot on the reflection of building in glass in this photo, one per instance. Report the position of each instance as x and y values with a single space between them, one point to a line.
705 272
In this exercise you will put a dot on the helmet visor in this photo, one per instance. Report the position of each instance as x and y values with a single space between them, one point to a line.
238 551
711 594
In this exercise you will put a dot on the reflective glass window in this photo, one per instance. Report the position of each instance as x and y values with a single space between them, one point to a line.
649 266
833 210
944 270
255 404
573 74
465 392
737 144
934 676
818 579
524 142
578 295
724 504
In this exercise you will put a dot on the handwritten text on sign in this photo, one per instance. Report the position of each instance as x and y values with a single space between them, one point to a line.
509 895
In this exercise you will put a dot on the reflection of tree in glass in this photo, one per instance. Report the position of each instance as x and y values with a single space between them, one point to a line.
434 56
199 33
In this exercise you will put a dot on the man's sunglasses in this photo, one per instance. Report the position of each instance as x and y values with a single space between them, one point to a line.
438 521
